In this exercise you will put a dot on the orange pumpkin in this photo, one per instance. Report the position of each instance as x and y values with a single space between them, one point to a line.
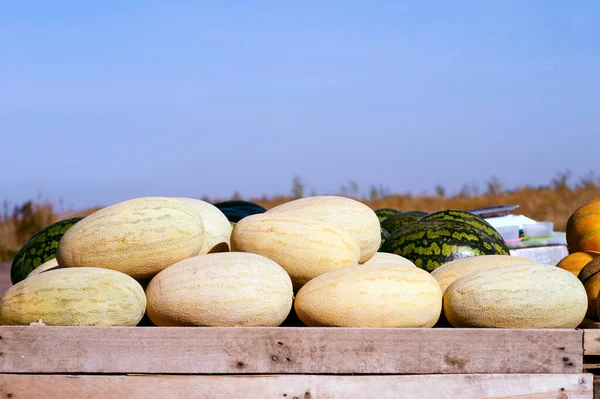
576 261
583 228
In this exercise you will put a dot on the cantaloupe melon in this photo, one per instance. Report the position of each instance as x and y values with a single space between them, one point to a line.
304 246
51 264
370 296
217 228
590 268
592 289
386 264
222 289
384 257
138 237
576 261
84 296
583 228
449 272
518 296
354 216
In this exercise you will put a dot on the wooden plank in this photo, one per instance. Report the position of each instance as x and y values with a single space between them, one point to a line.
596 387
300 386
591 342
591 364
591 345
196 350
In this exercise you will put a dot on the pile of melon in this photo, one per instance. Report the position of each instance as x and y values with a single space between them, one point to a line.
185 262
583 261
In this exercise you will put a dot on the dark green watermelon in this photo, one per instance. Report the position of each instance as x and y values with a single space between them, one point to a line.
417 213
235 210
40 248
384 236
473 220
394 222
385 212
434 242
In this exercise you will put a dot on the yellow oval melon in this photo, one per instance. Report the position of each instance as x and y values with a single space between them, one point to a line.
450 271
84 296
139 237
51 264
583 228
370 296
386 264
576 261
221 289
304 246
354 216
384 257
217 228
518 296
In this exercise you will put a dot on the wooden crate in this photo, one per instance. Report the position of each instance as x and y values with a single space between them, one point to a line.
288 363
591 351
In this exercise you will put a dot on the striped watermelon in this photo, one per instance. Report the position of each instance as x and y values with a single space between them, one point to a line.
394 222
473 220
235 210
40 248
416 213
430 243
385 212
384 236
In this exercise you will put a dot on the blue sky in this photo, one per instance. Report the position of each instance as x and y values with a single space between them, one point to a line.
108 101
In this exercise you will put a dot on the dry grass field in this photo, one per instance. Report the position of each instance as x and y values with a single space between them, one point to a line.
553 202
4 277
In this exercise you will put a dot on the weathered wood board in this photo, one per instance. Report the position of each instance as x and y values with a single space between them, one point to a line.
591 346
303 350
300 386
591 342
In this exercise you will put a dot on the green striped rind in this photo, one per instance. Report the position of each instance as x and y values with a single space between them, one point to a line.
235 210
431 243
40 248
418 213
474 221
385 212
394 222
384 236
